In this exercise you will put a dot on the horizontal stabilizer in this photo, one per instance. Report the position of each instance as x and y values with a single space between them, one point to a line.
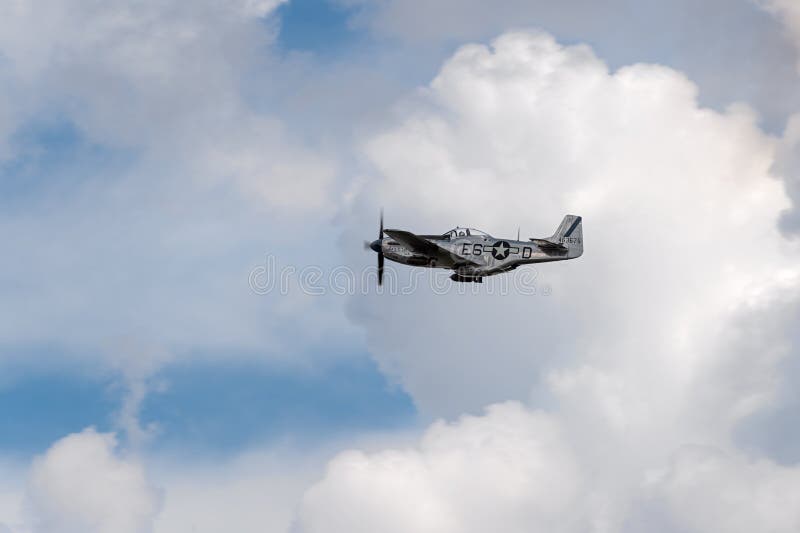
549 246
567 240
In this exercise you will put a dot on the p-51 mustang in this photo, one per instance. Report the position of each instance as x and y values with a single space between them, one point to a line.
473 254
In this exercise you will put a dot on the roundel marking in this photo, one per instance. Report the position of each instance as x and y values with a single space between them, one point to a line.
500 250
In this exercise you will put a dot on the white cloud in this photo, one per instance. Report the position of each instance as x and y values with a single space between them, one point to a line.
669 331
137 366
510 470
518 470
82 484
255 492
527 130
86 483
705 489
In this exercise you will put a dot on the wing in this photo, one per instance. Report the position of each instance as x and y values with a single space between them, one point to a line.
430 249
549 246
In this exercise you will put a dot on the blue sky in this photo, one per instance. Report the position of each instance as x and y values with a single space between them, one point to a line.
52 158
210 408
229 408
36 409
318 26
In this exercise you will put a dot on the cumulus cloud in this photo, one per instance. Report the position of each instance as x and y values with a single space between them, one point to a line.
665 336
83 484
517 470
510 470
87 482
526 130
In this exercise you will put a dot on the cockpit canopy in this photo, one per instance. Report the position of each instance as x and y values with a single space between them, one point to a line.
465 232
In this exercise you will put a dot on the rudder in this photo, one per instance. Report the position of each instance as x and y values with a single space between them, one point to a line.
570 234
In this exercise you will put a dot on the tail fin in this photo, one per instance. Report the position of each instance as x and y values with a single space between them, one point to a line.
570 234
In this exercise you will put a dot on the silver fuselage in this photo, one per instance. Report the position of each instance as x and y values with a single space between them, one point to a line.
492 255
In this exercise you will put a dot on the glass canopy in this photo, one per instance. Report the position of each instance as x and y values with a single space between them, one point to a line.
465 232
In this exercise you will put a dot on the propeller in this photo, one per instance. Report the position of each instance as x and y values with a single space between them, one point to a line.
380 253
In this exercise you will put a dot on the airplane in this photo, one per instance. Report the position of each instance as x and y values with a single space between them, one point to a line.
473 254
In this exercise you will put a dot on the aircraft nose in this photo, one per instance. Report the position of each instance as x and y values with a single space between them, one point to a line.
375 245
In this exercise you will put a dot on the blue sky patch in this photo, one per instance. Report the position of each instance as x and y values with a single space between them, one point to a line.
318 26
38 409
205 406
53 155
226 407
